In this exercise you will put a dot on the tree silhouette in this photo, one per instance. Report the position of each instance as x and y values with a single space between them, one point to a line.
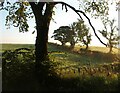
110 32
62 34
81 32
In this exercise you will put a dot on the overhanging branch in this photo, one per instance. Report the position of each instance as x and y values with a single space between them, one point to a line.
78 12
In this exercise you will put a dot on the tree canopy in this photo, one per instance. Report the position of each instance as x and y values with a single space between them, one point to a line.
62 34
83 33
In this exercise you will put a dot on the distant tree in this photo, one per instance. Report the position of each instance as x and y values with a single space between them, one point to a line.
74 37
87 40
62 34
110 32
82 33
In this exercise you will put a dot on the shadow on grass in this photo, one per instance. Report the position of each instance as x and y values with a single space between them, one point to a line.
23 78
57 84
19 75
97 57
83 56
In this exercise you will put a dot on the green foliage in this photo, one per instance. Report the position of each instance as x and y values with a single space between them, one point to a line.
77 32
95 8
81 32
18 67
18 14
66 71
63 34
19 56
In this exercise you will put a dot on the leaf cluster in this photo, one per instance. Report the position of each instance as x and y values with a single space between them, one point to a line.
18 14
82 33
62 34
95 8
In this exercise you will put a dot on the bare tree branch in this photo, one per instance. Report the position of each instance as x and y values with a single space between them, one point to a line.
78 12
65 4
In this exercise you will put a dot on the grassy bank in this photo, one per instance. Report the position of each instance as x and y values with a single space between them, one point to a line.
94 70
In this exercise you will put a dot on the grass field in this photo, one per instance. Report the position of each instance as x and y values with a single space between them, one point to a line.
76 69
96 55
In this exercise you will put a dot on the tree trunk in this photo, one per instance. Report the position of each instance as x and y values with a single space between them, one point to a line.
110 45
41 42
86 47
86 44
42 27
63 43
72 44
110 49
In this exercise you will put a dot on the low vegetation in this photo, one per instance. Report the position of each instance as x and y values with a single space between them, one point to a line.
67 70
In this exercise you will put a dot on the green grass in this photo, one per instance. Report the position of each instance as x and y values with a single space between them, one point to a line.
98 70
95 55
15 46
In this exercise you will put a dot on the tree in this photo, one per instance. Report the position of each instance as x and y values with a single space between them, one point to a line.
19 12
82 32
62 34
74 36
18 16
110 32
72 39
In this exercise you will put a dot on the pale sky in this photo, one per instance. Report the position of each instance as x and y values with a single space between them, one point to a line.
61 18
